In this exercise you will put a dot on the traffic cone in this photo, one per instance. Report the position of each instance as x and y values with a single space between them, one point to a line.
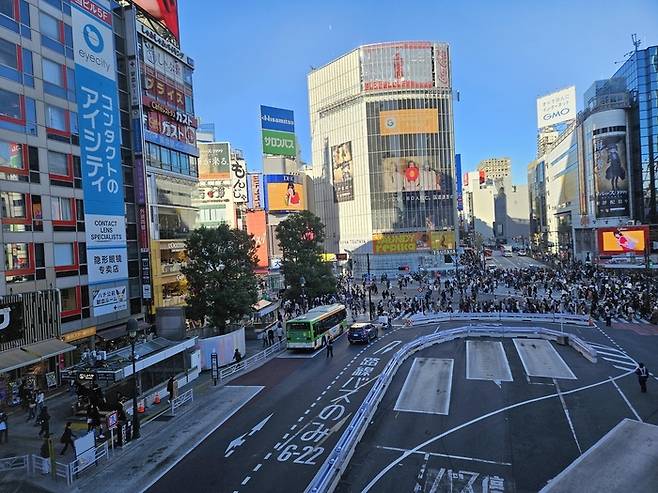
140 406
156 400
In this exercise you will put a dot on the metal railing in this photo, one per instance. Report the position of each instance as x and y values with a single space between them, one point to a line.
184 398
331 470
252 361
72 470
553 318
15 463
39 464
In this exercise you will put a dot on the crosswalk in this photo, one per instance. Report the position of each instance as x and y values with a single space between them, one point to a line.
616 357
620 320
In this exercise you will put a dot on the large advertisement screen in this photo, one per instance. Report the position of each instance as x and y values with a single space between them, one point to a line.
100 141
214 160
557 107
165 11
398 122
411 174
257 226
341 165
622 240
394 65
11 321
283 193
419 241
611 176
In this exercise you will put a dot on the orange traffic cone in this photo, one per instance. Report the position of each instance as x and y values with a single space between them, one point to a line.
140 406
156 400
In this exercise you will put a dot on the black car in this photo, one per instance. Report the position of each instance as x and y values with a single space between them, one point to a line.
362 332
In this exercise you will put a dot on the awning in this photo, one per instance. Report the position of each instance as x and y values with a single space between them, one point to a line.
263 307
49 348
16 358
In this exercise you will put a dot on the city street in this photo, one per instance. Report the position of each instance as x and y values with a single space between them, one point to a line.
516 261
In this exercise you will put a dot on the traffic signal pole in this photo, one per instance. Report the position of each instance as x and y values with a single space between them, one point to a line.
369 286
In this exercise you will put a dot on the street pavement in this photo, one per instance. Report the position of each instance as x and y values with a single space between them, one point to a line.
514 262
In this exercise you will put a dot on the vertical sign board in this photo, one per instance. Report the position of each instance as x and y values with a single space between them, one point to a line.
100 140
239 180
278 131
458 178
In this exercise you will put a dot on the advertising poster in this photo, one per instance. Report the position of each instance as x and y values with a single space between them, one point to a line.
109 300
622 240
11 321
419 241
253 189
411 174
557 107
341 165
239 181
279 143
214 161
399 122
284 193
100 141
277 119
278 131
611 176
257 226
442 241
458 178
395 65
165 11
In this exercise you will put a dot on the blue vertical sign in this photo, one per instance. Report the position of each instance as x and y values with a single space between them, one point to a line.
100 144
458 178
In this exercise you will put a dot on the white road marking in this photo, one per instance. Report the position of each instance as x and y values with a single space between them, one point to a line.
268 455
540 359
566 413
486 360
618 354
460 457
258 466
437 328
621 362
286 436
406 454
427 387
300 419
246 480
313 404
260 425
624 368
306 412
292 428
626 400
388 347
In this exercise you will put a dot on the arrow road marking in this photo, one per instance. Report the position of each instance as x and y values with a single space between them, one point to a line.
260 425
237 442
388 347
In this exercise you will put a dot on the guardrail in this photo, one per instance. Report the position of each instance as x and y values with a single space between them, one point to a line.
330 472
185 397
553 318
252 361
15 463
72 470
39 464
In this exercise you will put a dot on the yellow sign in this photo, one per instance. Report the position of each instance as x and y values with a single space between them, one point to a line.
419 241
328 257
442 240
79 334
399 122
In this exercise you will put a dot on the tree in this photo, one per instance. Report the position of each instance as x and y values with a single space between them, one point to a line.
300 238
220 275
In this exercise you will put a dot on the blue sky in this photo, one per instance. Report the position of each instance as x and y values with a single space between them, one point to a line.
505 53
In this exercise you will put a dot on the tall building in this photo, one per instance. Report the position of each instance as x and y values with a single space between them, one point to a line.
496 168
383 155
546 137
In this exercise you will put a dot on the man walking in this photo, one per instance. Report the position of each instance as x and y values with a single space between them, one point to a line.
330 347
67 439
279 330
642 376
44 420
3 427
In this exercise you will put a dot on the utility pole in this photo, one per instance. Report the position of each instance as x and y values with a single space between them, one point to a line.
369 287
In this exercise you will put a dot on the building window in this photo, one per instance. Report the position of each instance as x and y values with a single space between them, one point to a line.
17 258
8 57
11 156
58 164
10 105
56 118
62 208
70 300
28 68
14 206
7 8
64 254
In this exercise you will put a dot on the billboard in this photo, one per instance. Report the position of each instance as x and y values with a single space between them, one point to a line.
109 300
458 178
419 241
412 174
11 321
239 180
214 160
611 184
397 65
164 11
257 226
556 107
100 141
614 241
398 122
277 119
341 166
283 193
253 191
279 143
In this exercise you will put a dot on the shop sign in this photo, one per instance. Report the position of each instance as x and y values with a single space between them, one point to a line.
164 44
175 246
108 264
112 420
239 181
86 376
179 116
157 88
160 124
109 300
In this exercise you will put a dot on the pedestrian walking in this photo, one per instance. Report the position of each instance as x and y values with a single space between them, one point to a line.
279 330
4 427
237 357
44 420
67 439
330 347
270 336
171 389
642 376
40 400
32 406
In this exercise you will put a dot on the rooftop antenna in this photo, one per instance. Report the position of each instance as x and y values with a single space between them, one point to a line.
636 43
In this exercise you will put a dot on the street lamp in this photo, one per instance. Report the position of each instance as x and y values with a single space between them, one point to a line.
132 333
302 283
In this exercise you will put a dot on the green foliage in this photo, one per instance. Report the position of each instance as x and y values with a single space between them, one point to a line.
300 238
220 294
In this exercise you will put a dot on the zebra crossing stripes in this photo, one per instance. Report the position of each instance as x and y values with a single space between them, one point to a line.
617 357
621 320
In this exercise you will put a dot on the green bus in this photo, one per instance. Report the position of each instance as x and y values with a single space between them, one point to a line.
306 331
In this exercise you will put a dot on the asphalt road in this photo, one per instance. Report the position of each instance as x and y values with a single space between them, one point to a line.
510 436
513 262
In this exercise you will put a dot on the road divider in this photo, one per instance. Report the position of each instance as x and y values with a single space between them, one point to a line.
553 318
329 474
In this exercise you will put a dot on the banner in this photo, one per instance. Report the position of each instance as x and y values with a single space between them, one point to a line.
458 178
341 165
283 193
11 321
100 141
398 122
277 119
419 241
165 11
279 143
397 65
623 240
611 185
257 226
239 181
556 107
411 174
109 300
214 160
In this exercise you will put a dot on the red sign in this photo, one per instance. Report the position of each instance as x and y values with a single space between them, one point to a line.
163 125
257 226
174 114
165 11
483 176
157 89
